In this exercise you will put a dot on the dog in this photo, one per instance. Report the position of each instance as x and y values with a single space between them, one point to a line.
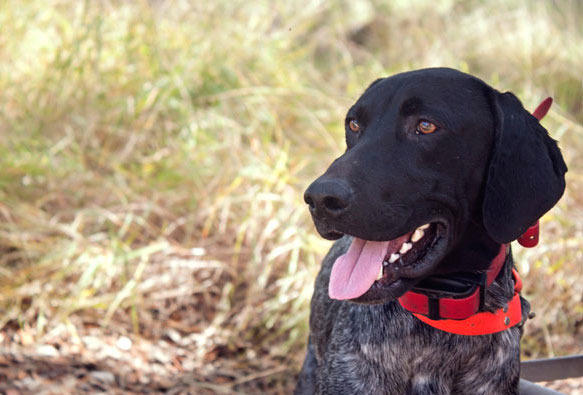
440 174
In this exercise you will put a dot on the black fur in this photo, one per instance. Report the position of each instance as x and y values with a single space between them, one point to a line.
526 167
486 174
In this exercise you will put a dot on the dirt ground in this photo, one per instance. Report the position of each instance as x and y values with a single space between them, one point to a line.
94 362
112 363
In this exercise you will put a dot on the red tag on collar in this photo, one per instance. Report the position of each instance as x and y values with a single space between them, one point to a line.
529 238
543 108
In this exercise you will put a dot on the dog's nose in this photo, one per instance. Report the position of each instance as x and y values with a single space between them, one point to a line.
328 197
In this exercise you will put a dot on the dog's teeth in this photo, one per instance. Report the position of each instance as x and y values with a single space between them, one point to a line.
417 235
380 275
405 247
394 258
424 227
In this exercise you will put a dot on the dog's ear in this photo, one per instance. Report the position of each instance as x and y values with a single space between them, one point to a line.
374 83
526 176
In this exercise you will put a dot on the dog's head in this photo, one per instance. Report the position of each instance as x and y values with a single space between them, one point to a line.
432 156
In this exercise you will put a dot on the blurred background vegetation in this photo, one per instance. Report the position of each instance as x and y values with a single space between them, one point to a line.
153 156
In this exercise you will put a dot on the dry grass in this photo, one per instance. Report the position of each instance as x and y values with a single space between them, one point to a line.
154 154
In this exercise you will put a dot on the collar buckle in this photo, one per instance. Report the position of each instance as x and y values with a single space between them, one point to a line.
446 293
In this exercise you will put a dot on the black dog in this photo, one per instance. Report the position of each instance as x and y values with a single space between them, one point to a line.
440 172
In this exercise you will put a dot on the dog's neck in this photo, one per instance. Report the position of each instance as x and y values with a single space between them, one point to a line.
473 252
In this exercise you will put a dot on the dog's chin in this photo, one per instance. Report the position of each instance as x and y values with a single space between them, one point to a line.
402 274
326 232
383 293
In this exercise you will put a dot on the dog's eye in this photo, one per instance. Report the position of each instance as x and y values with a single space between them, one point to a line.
425 127
354 126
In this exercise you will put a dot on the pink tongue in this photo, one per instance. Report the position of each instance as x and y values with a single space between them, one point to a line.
354 272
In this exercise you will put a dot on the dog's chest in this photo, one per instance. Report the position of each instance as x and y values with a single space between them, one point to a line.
384 350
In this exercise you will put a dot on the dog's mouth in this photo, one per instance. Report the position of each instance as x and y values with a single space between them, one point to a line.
376 271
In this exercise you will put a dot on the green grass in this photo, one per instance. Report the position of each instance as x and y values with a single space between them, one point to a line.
134 134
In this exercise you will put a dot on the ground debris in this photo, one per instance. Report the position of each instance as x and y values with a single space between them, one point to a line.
108 362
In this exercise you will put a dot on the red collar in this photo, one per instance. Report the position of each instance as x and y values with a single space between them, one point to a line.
483 323
461 304
460 314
